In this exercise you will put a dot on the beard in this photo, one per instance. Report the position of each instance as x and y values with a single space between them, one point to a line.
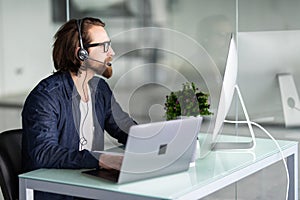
108 71
98 67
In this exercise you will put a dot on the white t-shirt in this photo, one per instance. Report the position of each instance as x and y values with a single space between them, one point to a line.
86 124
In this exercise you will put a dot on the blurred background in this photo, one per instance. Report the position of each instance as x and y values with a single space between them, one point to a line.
159 45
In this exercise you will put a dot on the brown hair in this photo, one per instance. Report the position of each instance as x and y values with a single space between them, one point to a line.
64 52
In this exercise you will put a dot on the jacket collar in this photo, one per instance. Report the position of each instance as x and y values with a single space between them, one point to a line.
69 86
71 90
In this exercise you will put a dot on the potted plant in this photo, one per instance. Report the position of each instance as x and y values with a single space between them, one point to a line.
189 101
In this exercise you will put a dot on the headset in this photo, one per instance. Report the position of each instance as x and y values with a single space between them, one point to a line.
82 53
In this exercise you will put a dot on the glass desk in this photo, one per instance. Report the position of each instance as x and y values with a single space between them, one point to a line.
216 171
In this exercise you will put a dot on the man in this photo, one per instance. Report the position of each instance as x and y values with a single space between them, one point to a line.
65 115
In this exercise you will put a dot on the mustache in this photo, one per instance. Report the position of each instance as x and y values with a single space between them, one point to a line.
108 60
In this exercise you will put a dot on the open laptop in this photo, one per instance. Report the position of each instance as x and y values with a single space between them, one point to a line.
155 149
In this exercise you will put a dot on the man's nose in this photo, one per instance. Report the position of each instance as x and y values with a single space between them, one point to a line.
110 51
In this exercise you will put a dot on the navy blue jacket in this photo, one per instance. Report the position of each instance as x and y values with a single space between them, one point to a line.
51 119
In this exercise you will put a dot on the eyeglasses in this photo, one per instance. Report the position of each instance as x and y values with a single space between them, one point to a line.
105 45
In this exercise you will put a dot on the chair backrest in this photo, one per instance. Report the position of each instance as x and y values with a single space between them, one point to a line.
10 163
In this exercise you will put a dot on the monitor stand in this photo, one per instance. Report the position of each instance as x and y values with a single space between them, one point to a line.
237 145
289 99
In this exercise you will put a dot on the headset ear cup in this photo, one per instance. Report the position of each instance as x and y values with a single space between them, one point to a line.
83 54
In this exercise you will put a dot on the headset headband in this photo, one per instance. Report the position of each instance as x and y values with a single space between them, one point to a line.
82 53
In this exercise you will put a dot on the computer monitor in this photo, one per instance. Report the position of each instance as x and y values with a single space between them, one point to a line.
229 87
265 58
227 91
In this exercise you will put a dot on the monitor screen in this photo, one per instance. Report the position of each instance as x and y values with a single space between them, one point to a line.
262 56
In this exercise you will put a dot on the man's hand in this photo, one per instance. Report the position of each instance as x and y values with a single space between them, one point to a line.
108 161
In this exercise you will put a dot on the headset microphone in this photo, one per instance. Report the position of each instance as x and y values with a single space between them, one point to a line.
104 63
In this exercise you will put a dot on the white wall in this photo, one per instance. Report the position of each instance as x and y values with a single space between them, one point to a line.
25 50
26 40
1 49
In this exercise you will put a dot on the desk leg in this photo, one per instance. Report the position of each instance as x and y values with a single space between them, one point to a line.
22 189
292 163
24 193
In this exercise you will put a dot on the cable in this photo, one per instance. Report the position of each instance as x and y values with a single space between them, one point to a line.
283 159
276 143
292 104
83 140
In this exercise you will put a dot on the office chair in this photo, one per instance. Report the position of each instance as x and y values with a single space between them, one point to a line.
10 163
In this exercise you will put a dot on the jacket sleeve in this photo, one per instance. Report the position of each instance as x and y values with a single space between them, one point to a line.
41 146
117 122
